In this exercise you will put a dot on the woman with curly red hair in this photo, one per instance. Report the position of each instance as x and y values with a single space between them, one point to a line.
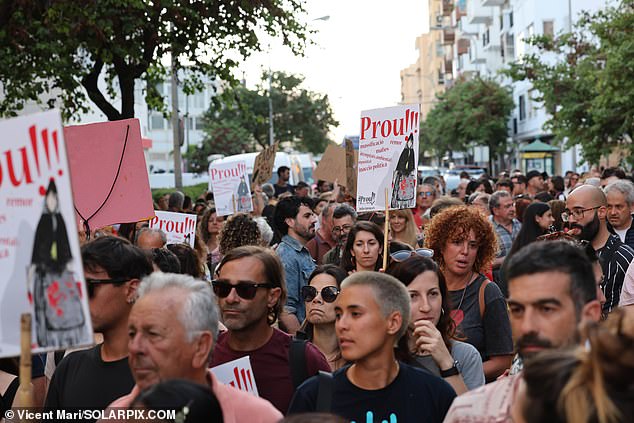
464 245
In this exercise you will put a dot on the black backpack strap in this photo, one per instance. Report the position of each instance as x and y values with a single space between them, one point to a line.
297 361
9 394
324 392
58 356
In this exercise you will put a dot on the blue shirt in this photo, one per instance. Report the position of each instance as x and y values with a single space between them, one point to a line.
298 265
505 238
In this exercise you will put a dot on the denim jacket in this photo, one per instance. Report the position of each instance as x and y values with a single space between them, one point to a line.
298 265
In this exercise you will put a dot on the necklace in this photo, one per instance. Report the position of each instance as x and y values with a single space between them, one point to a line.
457 314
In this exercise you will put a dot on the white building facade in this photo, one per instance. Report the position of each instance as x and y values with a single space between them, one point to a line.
490 34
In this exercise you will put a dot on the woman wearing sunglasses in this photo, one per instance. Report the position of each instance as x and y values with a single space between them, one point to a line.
363 248
432 331
319 327
464 244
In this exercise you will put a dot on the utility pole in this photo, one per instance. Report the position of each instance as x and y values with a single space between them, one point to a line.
178 176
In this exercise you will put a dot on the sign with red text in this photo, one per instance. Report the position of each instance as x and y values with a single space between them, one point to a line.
230 185
40 261
388 157
110 178
237 373
179 227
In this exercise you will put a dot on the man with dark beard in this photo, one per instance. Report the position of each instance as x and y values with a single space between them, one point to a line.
586 214
552 291
295 220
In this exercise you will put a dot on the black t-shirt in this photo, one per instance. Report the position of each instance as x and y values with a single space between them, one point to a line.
413 396
490 335
83 380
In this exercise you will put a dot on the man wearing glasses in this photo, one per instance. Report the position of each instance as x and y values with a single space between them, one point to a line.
505 224
586 215
113 268
251 294
343 219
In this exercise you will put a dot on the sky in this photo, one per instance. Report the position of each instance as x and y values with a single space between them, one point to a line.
357 58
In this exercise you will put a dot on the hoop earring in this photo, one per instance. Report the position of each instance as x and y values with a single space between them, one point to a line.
442 311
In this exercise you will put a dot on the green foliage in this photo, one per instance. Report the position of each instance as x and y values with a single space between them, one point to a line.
222 136
471 112
61 48
193 191
585 80
300 116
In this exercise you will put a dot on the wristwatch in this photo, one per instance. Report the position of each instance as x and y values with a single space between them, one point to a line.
452 371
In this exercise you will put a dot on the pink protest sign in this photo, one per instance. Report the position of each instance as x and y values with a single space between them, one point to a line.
40 261
108 173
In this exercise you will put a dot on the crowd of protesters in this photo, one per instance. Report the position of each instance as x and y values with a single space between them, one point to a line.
506 299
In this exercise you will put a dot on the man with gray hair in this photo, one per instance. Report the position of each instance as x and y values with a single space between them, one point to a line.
149 238
373 312
323 240
620 196
172 329
505 224
176 201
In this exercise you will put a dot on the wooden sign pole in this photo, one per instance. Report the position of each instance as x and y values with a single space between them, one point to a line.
385 234
233 200
25 391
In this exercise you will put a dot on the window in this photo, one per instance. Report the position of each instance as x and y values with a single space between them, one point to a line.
486 38
199 123
530 31
522 106
511 20
156 122
501 21
549 28
199 100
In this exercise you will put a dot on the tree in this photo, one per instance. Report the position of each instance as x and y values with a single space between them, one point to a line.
224 136
64 47
471 112
584 79
301 117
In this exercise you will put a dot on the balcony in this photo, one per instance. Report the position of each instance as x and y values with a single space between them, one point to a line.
478 14
448 36
463 46
490 3
448 66
447 7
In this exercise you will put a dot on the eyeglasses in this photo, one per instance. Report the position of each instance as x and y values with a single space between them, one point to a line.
244 289
577 213
402 255
339 229
91 283
328 293
426 194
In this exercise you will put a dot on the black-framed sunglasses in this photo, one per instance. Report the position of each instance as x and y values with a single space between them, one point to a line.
91 283
244 289
402 255
328 293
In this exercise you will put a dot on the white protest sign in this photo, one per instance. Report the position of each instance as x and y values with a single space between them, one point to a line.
237 373
40 260
179 227
230 185
388 156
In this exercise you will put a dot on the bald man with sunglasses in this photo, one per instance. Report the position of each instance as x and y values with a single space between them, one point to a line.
113 268
251 294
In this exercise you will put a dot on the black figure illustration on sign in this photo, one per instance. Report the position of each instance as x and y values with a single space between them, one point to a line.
404 178
53 288
243 197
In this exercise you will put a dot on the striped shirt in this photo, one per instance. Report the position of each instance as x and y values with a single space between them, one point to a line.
615 261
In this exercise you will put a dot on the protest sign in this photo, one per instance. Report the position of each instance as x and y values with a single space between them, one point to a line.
40 261
230 184
351 168
388 155
110 178
332 165
263 165
179 227
237 373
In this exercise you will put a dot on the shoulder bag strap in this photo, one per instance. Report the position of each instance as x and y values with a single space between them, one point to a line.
324 392
297 361
481 302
